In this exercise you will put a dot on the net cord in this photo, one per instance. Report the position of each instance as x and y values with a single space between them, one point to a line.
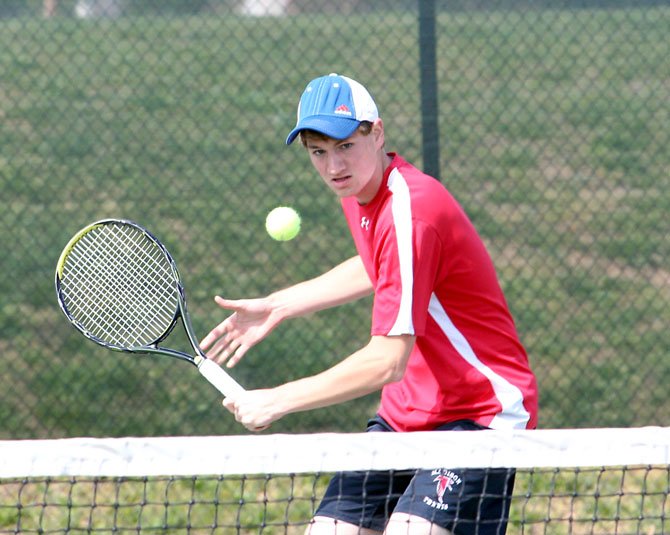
329 452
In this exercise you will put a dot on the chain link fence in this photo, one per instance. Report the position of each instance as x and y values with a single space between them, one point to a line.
550 123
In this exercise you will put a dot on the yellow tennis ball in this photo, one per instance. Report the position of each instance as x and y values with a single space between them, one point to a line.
283 223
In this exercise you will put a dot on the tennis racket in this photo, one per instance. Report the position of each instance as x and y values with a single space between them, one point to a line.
119 286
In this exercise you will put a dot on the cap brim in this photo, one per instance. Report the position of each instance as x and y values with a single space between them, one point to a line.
335 127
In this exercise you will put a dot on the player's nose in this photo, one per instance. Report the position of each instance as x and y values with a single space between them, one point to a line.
335 165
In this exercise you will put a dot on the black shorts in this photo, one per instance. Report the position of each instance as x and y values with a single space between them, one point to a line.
464 501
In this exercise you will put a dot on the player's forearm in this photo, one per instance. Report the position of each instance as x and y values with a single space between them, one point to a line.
365 371
346 282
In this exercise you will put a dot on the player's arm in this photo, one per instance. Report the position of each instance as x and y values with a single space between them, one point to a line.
383 360
344 283
253 319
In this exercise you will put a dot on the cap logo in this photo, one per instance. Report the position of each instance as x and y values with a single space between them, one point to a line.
343 109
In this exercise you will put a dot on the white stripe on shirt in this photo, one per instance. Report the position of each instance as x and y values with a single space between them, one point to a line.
402 221
513 414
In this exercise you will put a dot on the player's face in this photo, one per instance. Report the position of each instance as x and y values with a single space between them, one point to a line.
353 166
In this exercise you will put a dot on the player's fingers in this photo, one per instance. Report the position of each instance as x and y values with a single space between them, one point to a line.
237 355
228 347
213 352
229 304
229 404
214 334
220 352
206 342
230 344
221 337
252 421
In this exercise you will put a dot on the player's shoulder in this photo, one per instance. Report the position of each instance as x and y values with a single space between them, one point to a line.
411 174
419 186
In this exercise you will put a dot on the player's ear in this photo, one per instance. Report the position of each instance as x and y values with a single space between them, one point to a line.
378 132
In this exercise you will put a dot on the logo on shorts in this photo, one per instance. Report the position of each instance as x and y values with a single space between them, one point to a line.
445 481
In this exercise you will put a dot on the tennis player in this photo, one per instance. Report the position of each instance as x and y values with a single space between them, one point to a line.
444 350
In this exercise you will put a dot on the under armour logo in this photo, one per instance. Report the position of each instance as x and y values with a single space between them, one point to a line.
365 223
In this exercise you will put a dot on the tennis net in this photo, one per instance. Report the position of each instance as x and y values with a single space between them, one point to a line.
596 481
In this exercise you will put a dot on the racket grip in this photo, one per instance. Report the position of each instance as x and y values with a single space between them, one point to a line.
218 377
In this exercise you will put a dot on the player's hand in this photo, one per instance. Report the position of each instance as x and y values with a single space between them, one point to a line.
251 321
254 409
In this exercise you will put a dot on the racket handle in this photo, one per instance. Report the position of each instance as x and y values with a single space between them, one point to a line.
218 377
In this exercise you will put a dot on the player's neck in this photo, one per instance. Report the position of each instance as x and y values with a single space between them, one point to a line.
372 187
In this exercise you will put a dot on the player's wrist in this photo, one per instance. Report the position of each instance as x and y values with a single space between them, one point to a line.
280 308
280 404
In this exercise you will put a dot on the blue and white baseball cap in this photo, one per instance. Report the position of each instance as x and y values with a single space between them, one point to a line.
333 105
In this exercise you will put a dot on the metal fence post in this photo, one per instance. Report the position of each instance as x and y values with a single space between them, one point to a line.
428 74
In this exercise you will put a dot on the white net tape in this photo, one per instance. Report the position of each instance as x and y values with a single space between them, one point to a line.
328 452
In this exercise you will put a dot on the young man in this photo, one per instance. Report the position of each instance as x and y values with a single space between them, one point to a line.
443 348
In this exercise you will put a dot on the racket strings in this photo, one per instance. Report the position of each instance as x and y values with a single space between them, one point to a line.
129 291
110 280
134 316
119 285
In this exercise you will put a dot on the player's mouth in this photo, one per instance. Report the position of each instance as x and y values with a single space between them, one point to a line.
341 180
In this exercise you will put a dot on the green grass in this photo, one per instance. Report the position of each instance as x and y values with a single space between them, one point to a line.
554 130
